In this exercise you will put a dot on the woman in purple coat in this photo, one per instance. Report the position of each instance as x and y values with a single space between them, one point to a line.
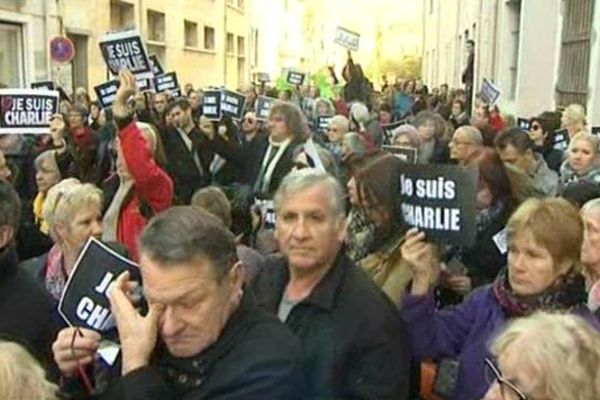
544 240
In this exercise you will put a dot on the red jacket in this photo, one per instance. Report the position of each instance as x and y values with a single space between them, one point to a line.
151 184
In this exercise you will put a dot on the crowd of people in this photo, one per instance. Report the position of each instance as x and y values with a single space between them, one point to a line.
337 297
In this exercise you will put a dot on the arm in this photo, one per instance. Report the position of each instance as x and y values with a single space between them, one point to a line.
144 383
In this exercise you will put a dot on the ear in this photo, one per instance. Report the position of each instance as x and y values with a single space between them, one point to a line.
6 235
61 232
236 278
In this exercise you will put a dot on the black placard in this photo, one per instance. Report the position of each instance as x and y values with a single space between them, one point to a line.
211 105
561 139
440 200
323 122
106 92
145 85
126 50
157 68
596 131
267 211
524 123
295 78
232 104
48 85
84 302
388 131
406 154
27 110
263 106
167 83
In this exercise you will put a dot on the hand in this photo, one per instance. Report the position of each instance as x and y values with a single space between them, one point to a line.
422 259
136 332
57 130
127 88
460 284
69 352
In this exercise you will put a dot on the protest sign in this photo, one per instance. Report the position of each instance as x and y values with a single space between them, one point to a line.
322 125
157 68
145 85
267 211
561 139
406 154
106 92
84 302
524 123
126 50
167 83
48 85
211 105
440 200
346 38
295 78
388 131
232 104
263 106
27 110
489 93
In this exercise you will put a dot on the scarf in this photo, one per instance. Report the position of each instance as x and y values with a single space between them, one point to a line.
55 278
110 222
82 137
567 295
38 206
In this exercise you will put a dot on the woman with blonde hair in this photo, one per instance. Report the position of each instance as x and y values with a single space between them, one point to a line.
21 376
583 161
546 356
573 119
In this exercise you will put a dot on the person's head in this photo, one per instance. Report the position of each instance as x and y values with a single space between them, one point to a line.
77 116
152 145
409 86
546 356
359 115
181 113
470 46
189 266
215 202
353 145
285 95
580 192
303 159
583 152
443 89
458 107
466 142
73 211
430 125
338 127
160 103
249 92
310 226
95 110
374 185
5 171
81 96
481 115
406 136
10 213
515 147
21 376
385 114
314 92
188 88
542 128
286 121
139 101
322 106
250 124
590 249
47 173
539 255
573 118
195 98
493 186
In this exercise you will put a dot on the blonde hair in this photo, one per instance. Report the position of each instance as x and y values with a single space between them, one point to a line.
214 201
563 349
574 114
65 199
540 218
21 376
586 137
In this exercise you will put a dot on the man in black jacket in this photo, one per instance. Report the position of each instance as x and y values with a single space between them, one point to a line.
355 345
202 337
25 308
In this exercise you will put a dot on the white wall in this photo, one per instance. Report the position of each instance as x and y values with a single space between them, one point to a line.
593 105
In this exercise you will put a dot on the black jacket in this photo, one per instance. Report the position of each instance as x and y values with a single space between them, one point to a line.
255 358
355 345
180 163
26 310
283 167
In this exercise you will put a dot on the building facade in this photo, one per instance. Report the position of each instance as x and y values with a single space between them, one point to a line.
542 54
204 41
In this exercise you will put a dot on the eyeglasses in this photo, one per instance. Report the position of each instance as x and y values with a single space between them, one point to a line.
508 390
249 120
535 127
460 143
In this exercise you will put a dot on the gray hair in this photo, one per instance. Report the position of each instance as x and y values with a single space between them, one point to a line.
10 206
591 206
472 133
183 234
305 178
354 142
341 122
47 156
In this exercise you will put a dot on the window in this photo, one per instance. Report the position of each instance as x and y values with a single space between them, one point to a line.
575 49
241 46
230 45
514 16
191 34
156 26
209 38
158 51
121 15
11 55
